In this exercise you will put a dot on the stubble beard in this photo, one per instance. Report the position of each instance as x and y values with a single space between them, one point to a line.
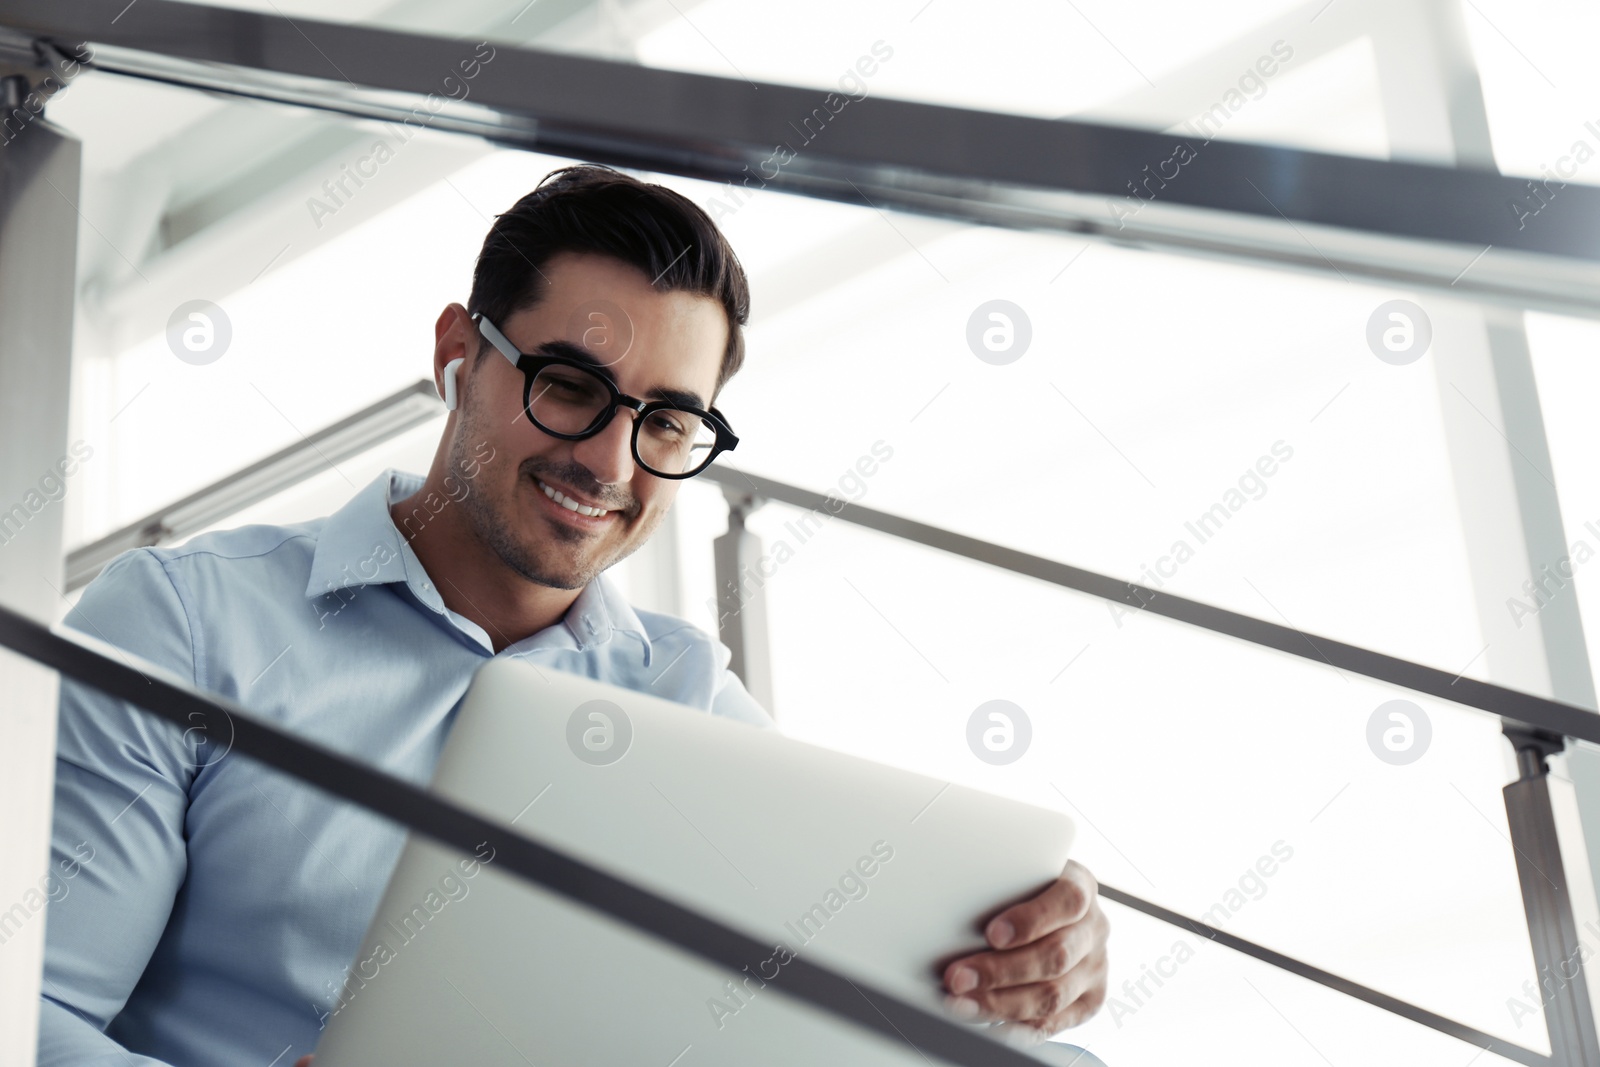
494 523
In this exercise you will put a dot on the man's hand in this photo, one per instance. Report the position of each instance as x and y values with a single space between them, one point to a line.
1048 968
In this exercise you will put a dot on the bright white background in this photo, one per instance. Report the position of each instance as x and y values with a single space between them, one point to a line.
1151 384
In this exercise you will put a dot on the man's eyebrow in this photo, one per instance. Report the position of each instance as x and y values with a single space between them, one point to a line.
683 398
678 398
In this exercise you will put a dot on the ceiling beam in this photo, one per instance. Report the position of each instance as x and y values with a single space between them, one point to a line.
1448 229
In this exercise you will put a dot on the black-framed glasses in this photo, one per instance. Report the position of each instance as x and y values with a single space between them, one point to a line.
572 399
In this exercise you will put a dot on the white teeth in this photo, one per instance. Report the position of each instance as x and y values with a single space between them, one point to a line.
571 505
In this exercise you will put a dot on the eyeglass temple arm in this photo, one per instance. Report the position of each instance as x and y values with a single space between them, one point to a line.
731 437
496 338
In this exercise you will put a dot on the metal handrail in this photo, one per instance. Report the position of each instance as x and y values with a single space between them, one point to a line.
159 692
1392 221
1389 221
1521 711
1536 727
1524 715
1301 969
373 425
415 404
1517 710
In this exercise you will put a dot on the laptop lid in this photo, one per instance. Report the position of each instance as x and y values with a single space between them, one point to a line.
878 872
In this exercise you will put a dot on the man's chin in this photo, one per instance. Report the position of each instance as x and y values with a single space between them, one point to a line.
558 574
555 563
563 570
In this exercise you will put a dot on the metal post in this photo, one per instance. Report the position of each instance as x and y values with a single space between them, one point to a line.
1552 927
39 176
741 601
1511 518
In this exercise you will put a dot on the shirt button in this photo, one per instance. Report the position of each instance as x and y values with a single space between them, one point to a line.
588 624
427 585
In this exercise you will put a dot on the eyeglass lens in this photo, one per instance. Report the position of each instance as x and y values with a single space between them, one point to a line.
569 400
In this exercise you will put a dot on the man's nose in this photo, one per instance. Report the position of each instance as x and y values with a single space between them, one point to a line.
609 453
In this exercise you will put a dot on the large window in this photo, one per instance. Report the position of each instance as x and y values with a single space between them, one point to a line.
1221 431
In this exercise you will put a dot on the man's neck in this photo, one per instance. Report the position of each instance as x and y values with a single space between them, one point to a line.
474 582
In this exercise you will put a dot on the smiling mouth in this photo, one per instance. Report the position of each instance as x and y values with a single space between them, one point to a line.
570 504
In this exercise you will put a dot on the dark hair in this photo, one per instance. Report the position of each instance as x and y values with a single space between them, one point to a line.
595 209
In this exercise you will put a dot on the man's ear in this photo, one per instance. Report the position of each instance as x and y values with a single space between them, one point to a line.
453 317
450 321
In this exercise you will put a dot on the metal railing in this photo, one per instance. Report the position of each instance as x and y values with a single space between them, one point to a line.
157 691
1536 726
324 449
1380 220
1394 222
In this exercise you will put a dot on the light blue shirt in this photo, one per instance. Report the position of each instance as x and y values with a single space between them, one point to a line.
213 905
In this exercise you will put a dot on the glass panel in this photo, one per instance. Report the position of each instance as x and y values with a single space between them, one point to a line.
1568 374
1218 1008
1539 87
1117 404
1241 787
1217 431
330 313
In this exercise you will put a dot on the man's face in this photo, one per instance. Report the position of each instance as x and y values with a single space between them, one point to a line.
674 342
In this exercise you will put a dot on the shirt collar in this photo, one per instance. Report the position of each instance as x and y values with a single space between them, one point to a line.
600 611
360 545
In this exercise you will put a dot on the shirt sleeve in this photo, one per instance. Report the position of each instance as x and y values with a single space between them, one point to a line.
730 698
117 838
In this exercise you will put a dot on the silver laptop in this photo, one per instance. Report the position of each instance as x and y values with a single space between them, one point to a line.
878 872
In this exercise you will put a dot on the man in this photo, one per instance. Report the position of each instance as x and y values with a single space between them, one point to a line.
216 905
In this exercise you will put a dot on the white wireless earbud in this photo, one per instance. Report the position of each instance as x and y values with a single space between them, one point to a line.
450 383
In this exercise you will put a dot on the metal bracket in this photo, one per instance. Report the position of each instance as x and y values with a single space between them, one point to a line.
740 603
35 66
741 505
1552 925
1534 749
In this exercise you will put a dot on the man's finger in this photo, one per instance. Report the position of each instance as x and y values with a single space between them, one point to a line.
1066 901
1051 956
1079 1011
1040 1003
